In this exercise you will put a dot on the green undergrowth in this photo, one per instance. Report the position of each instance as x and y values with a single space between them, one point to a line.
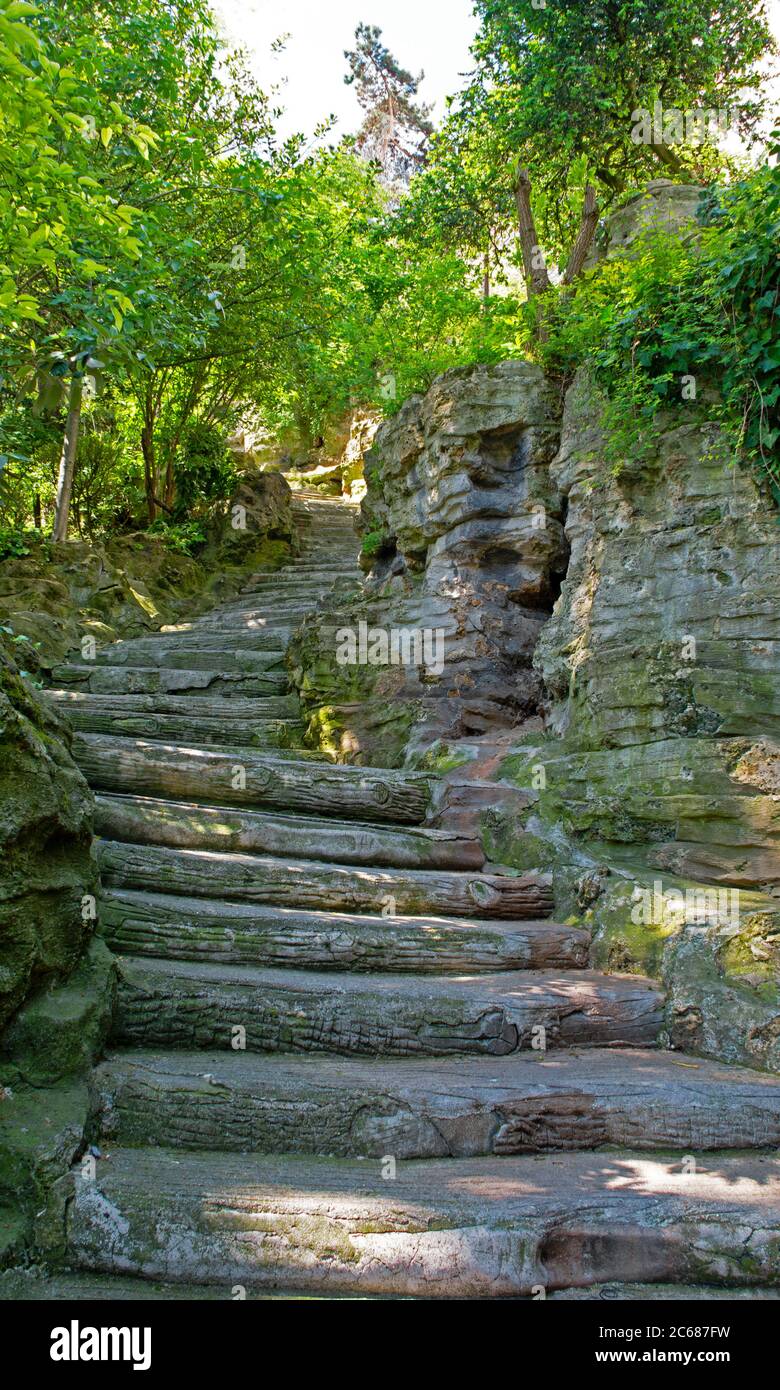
682 314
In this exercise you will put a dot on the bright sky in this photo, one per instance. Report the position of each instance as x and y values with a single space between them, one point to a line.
434 35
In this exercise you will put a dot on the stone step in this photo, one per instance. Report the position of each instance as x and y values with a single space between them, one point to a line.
272 640
181 654
307 568
36 1285
170 770
273 709
470 1228
238 933
180 1004
435 1107
149 820
313 884
151 680
88 714
284 617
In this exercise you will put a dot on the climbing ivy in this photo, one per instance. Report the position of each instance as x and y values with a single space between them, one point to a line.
679 314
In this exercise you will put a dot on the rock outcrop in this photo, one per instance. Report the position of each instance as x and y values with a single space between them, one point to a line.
661 757
464 544
46 866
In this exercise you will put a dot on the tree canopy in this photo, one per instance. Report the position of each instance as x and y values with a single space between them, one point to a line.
170 268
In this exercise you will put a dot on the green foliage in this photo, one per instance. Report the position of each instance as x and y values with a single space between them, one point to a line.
678 315
13 544
205 471
373 542
185 537
557 89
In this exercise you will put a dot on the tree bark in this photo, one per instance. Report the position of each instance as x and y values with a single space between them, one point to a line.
536 277
486 278
148 452
68 460
37 517
581 247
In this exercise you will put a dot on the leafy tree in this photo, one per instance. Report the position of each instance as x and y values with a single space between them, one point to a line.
557 99
396 126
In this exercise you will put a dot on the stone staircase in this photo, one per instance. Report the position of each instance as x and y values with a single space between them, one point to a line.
348 1060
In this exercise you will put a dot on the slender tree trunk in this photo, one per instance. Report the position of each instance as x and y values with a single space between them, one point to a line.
37 517
486 278
148 452
581 247
536 278
68 459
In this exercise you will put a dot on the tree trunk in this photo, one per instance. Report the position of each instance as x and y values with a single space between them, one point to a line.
37 517
68 460
581 247
536 278
486 278
148 452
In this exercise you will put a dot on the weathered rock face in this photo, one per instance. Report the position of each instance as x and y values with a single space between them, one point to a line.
135 584
464 542
662 206
662 756
45 834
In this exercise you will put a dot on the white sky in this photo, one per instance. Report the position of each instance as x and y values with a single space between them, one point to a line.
434 35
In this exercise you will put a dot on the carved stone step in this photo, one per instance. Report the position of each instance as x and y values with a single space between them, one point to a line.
89 715
187 1005
149 680
313 884
146 651
468 1228
186 825
271 709
179 654
270 616
239 933
137 766
435 1107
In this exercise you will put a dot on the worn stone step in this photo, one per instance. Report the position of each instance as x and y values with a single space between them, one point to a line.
197 929
435 1107
149 680
89 714
470 1228
271 617
271 709
313 884
38 1285
138 766
186 825
179 1004
272 640
189 654
191 825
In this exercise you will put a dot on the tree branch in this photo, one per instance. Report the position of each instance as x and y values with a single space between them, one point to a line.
581 247
536 277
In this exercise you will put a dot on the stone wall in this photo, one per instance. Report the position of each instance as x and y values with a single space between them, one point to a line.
661 761
462 536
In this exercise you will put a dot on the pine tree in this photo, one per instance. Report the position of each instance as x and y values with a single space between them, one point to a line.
396 127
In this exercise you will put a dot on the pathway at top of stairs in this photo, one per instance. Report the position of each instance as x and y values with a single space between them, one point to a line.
347 1059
